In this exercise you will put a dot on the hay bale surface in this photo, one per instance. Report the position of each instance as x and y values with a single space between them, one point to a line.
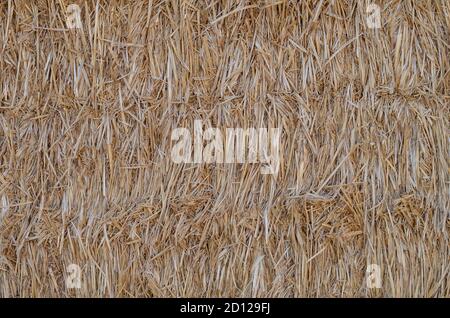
86 176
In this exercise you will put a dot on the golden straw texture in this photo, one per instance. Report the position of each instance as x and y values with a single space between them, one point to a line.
86 175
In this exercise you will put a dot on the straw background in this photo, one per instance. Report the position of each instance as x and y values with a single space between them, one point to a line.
86 175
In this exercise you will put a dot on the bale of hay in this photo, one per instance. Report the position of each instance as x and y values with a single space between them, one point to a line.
92 205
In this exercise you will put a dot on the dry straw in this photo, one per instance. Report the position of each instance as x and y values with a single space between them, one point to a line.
86 176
